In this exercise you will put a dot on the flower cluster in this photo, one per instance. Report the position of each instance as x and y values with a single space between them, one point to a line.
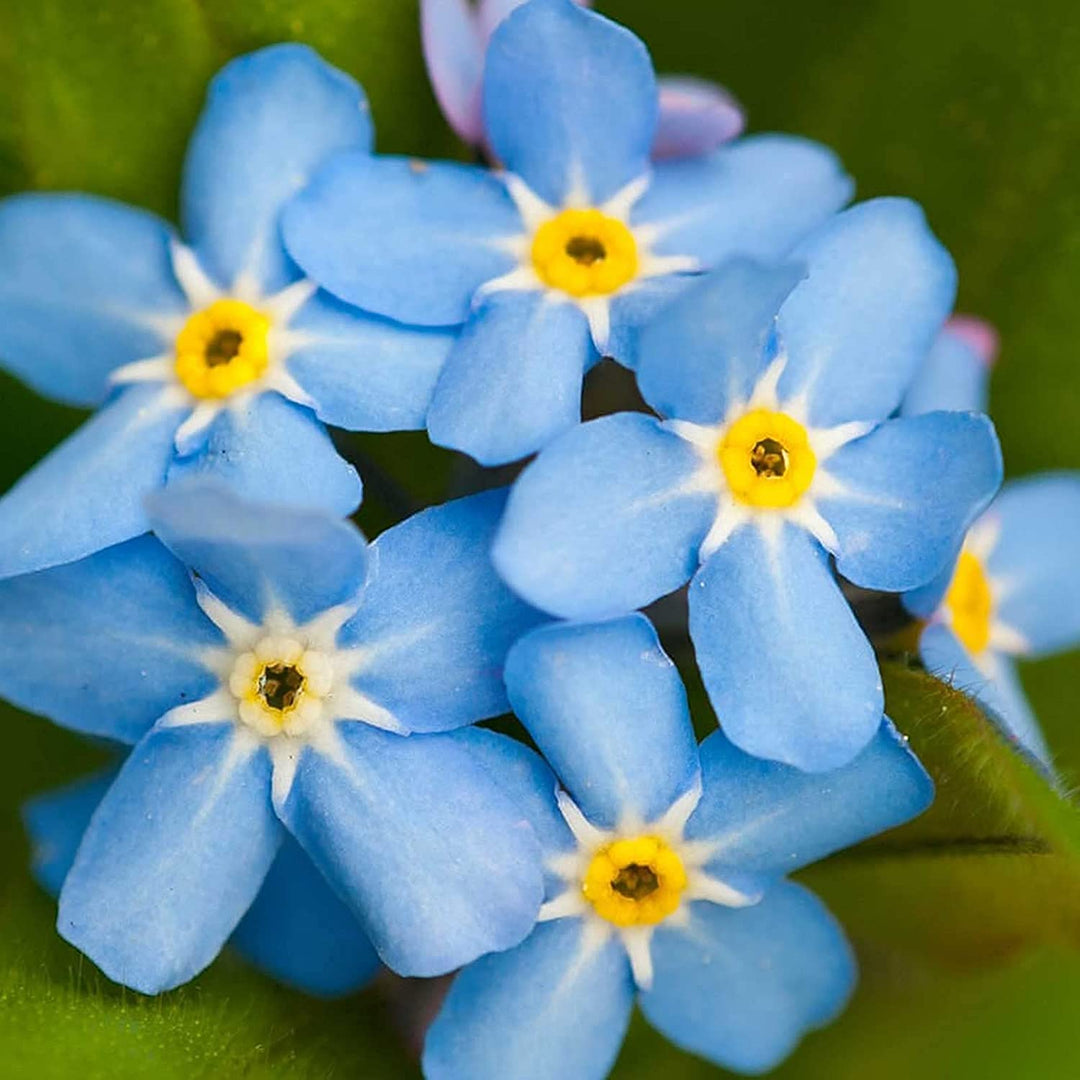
299 771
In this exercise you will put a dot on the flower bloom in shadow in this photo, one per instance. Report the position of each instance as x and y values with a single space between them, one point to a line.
696 117
1014 590
300 683
665 880
296 930
778 452
210 356
556 261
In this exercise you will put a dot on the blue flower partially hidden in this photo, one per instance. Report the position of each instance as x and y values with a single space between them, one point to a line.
557 261
779 452
301 684
665 874
296 929
211 357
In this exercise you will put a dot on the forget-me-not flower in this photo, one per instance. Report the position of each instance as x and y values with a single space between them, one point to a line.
296 930
665 873
778 452
213 355
301 683
554 262
1014 590
696 117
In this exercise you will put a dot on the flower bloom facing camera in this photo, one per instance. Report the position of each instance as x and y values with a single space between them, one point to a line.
556 261
665 874
779 383
696 117
214 356
303 684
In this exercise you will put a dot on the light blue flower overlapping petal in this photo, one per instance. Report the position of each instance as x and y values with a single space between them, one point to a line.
605 520
742 986
570 100
913 487
513 379
172 859
273 451
82 280
769 818
409 240
363 373
878 290
108 644
608 710
422 843
953 377
271 118
538 1012
788 669
436 622
256 558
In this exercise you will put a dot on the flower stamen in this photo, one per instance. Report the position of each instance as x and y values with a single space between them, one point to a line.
635 881
585 253
222 348
767 459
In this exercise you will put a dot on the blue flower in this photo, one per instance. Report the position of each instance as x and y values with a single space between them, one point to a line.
665 873
779 383
216 357
555 262
296 929
1014 592
695 118
301 683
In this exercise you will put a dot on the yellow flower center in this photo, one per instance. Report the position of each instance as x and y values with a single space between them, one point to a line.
767 459
635 881
970 603
222 348
280 686
585 253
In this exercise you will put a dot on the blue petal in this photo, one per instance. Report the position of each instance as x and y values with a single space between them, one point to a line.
757 197
705 352
256 557
385 824
607 709
273 451
742 986
788 670
913 487
696 118
953 376
173 857
525 777
1000 692
879 288
436 622
570 99
80 280
56 822
602 522
88 493
363 373
406 239
535 1013
769 818
513 380
271 119
298 931
106 645
1036 558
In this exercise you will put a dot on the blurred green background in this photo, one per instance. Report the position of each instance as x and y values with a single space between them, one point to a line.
967 924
